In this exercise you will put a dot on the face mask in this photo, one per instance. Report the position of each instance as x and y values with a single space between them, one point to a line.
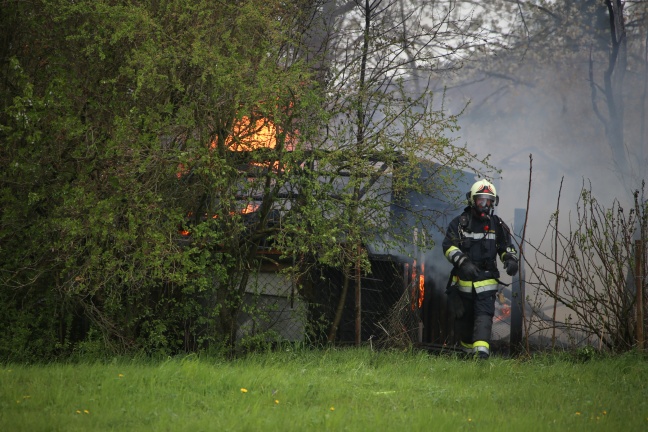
483 203
483 208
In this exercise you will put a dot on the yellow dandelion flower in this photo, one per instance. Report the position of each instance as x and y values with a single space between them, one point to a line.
243 390
332 408
577 413
604 412
86 411
276 401
120 375
78 411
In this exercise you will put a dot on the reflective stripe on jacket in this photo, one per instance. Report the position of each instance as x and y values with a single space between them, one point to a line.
481 242
480 286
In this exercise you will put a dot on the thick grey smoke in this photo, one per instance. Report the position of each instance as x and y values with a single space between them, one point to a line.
559 129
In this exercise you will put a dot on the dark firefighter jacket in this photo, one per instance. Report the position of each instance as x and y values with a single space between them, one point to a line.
481 241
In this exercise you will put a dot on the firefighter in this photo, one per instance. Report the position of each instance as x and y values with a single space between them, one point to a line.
472 243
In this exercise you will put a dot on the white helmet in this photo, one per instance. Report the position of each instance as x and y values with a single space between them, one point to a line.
483 189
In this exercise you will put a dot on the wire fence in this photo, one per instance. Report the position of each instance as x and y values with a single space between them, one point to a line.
400 306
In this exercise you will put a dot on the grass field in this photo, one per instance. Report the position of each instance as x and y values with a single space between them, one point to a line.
336 390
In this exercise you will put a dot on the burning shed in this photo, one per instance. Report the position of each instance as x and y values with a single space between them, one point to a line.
403 294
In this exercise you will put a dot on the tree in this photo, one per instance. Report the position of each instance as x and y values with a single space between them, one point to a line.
381 123
100 113
552 49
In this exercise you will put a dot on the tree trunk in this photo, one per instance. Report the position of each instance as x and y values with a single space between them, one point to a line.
340 309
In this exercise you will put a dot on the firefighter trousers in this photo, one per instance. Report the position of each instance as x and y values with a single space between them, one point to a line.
476 323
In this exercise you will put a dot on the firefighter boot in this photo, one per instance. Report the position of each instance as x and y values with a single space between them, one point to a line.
482 333
481 350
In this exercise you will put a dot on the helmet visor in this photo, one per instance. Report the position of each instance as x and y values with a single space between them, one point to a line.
483 201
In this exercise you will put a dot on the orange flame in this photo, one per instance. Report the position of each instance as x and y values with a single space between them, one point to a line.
421 287
247 137
250 137
250 208
504 313
262 134
418 285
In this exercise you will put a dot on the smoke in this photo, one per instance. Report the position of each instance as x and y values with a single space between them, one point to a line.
544 134
547 140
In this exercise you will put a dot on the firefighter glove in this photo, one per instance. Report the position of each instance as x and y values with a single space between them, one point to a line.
511 266
454 300
467 270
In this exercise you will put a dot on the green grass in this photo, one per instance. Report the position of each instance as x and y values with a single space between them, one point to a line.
355 390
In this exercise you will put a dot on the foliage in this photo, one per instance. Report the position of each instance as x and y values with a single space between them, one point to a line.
125 124
100 112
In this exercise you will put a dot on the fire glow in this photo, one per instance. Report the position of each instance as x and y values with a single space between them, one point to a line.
246 138
421 287
249 135
418 285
